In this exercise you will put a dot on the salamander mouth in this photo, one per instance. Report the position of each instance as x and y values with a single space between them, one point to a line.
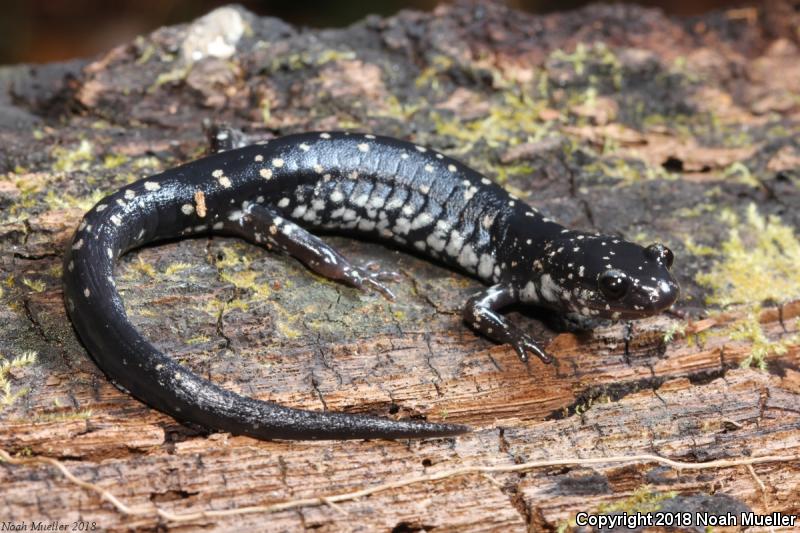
653 303
638 306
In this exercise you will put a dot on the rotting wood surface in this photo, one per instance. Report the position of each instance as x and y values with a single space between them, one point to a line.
617 119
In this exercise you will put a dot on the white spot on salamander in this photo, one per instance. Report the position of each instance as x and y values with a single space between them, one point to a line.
130 194
187 209
485 266
528 293
304 147
277 162
363 147
467 258
152 185
402 226
455 243
422 220
550 290
116 220
337 196
87 292
451 168
366 225
265 173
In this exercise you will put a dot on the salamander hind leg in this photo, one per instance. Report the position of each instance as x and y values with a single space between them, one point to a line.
263 226
480 312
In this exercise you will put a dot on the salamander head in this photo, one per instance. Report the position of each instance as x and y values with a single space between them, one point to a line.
606 277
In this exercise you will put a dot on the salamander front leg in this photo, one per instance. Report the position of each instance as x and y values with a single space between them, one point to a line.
480 312
263 226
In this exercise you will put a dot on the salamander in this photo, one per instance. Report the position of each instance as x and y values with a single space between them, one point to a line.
275 193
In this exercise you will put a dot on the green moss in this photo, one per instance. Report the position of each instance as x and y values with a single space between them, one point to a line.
266 110
35 284
198 339
698 249
114 160
61 200
287 331
147 162
513 118
83 414
749 330
70 160
7 397
307 58
429 75
393 107
145 268
326 56
215 307
741 174
643 500
176 268
147 53
756 264
247 280
675 329
174 75
695 211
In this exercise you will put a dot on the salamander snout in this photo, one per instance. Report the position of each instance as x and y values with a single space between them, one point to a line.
655 289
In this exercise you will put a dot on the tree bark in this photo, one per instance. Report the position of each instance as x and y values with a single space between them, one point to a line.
612 118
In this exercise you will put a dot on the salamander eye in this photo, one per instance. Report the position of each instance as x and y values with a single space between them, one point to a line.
662 254
613 284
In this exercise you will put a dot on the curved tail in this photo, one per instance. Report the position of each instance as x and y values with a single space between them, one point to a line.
96 309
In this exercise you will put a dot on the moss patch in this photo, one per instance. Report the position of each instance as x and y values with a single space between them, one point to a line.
756 265
643 500
7 396
758 262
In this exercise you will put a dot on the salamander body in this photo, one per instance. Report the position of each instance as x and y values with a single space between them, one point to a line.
274 193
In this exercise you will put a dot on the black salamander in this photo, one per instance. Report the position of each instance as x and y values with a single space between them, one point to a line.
273 192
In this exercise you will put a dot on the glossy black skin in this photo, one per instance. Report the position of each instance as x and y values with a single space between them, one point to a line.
376 187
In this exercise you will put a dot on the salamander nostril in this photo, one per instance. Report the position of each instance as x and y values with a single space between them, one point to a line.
659 252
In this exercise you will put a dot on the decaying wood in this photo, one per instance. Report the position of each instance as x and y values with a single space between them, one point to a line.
617 119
